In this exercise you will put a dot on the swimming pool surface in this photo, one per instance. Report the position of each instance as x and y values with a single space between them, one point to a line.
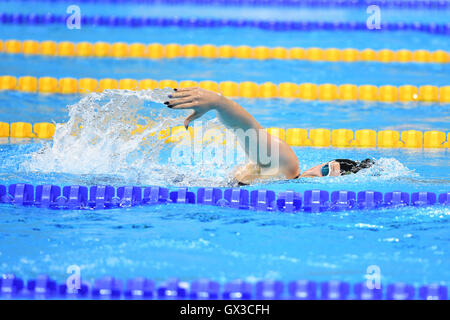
409 244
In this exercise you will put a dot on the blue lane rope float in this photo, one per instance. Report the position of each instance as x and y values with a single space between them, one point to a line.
135 22
44 287
107 197
402 4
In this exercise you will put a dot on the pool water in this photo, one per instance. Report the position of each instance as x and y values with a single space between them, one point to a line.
188 241
191 242
409 244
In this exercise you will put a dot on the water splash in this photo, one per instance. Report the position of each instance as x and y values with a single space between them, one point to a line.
388 168
100 140
385 171
100 145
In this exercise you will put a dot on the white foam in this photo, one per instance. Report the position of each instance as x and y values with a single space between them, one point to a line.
388 168
384 170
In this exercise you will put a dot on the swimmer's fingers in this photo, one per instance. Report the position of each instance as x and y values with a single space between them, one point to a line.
176 102
195 115
187 105
188 89
180 94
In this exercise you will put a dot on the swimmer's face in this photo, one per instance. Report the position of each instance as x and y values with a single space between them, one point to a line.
335 168
329 169
248 173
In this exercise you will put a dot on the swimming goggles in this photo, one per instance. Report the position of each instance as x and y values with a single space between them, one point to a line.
325 170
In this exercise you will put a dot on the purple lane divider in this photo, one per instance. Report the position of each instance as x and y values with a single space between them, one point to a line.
209 196
101 197
335 290
444 198
47 195
182 195
42 285
289 201
262 199
155 195
370 199
173 289
22 194
400 291
363 292
396 199
433 292
342 200
205 289
73 293
129 196
400 4
76 196
237 198
302 290
4 196
140 288
423 199
281 26
316 201
107 288
269 290
10 285
237 290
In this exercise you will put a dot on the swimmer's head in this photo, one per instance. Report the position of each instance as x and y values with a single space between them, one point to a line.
349 166
342 167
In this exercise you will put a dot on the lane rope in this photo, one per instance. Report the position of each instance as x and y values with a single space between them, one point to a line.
43 286
76 197
170 51
139 22
247 89
297 137
399 4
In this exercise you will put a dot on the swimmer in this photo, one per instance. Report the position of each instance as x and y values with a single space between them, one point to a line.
233 116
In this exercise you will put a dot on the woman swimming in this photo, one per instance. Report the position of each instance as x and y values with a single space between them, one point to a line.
235 117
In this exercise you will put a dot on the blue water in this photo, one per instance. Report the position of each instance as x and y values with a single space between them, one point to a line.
187 241
226 12
289 113
220 36
247 36
276 71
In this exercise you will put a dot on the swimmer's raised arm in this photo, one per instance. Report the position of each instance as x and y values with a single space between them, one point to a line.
201 101
234 116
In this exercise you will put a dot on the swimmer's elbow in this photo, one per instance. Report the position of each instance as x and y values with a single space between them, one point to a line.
291 165
293 173
292 169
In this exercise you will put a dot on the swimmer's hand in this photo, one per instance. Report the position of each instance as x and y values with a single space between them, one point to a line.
198 99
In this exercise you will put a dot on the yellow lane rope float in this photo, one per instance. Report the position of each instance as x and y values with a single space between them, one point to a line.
246 89
209 51
364 138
